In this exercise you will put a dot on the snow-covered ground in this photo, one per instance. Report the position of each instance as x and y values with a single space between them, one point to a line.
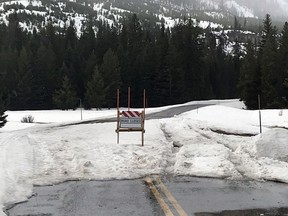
220 141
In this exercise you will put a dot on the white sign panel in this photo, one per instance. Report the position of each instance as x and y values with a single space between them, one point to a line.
130 122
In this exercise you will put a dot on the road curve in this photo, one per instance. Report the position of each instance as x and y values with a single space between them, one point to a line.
157 115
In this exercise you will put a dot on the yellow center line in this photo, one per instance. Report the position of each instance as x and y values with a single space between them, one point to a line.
170 197
158 197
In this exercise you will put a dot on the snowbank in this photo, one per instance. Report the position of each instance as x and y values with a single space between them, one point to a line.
273 144
223 142
214 141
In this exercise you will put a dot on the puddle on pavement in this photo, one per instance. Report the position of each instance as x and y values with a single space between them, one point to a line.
249 212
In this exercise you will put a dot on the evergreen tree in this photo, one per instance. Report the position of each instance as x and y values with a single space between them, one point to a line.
88 70
3 34
134 74
135 34
268 61
110 71
8 68
44 78
3 117
249 85
211 62
65 98
51 39
267 32
71 37
15 39
95 92
62 72
125 68
123 37
24 79
189 45
87 41
235 69
173 67
160 74
218 72
283 65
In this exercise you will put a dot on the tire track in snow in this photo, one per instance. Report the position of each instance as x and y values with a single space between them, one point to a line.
169 157
240 153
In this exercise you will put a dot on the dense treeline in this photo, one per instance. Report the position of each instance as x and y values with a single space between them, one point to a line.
265 69
52 69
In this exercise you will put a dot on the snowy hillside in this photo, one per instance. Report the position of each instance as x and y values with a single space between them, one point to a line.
37 13
215 141
242 8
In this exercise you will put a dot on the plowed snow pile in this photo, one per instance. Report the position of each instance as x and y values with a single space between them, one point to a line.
214 141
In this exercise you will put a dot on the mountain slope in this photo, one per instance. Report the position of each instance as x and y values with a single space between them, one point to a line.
36 13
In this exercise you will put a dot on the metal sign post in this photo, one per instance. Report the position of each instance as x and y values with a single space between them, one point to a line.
130 121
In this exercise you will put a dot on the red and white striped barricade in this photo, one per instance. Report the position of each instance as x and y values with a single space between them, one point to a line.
130 121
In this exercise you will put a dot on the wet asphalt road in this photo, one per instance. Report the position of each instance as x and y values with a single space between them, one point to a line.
158 115
80 198
206 197
173 111
197 196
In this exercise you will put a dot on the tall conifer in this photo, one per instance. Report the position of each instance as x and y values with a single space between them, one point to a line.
249 85
3 117
268 65
110 71
283 65
95 92
65 98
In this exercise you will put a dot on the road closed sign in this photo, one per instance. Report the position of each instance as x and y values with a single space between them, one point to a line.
132 122
130 119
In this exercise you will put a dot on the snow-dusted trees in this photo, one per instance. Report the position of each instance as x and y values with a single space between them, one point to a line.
174 65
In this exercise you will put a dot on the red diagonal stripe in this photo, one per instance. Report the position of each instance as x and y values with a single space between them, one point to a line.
131 114
124 114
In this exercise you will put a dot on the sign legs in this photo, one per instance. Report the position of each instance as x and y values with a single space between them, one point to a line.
130 121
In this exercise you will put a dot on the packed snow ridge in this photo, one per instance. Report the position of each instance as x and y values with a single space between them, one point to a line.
220 141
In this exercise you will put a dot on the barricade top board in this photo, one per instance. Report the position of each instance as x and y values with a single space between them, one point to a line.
130 121
131 114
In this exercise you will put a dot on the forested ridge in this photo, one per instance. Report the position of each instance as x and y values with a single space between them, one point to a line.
55 69
264 70
173 65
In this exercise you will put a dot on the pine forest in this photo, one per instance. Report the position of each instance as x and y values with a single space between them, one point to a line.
54 68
